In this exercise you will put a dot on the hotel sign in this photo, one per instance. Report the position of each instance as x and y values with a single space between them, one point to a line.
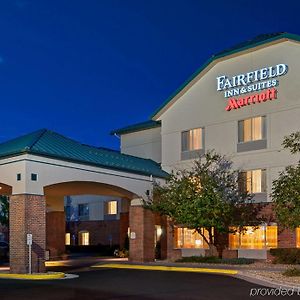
262 82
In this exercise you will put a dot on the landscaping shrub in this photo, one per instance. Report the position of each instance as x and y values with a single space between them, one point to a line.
286 256
122 253
216 260
291 272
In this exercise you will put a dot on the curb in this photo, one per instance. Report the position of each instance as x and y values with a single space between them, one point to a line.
265 282
234 273
165 268
43 276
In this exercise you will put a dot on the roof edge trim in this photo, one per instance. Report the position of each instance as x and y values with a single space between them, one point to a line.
137 127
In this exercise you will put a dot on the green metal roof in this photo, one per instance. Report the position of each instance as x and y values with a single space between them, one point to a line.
136 127
255 42
50 144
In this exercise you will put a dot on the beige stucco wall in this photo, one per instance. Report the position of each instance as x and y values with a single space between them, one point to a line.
9 168
203 106
96 205
53 171
144 143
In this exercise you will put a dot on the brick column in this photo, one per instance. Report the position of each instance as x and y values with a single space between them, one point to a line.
141 223
56 231
27 214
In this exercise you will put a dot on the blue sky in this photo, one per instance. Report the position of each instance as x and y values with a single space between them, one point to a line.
83 68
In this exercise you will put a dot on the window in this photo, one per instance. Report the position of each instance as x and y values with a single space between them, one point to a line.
68 239
260 238
253 129
189 238
18 177
192 139
83 211
112 207
84 238
192 143
33 177
298 237
253 181
158 233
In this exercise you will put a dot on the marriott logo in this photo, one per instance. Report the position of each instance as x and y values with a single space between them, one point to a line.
234 103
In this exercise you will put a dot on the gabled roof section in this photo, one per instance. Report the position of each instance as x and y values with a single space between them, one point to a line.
136 127
259 40
50 144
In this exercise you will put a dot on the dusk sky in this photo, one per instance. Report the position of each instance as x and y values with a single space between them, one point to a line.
83 68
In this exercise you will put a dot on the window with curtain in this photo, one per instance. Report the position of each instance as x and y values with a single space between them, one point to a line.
298 237
252 129
112 207
192 139
189 238
259 238
253 181
84 238
68 239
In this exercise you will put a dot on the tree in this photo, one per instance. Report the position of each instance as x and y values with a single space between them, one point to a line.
72 220
207 197
4 210
286 188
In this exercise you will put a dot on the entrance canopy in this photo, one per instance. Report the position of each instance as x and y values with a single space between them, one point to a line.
42 158
38 169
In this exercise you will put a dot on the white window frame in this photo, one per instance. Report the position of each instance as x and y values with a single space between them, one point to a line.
185 144
263 182
241 124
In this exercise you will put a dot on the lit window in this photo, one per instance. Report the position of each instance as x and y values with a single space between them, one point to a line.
252 129
112 207
298 237
84 238
83 211
192 139
253 181
260 238
68 239
189 238
158 233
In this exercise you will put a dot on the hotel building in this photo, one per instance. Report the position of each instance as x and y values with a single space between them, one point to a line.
241 103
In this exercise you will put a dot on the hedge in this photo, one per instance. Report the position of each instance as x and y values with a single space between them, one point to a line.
286 255
216 260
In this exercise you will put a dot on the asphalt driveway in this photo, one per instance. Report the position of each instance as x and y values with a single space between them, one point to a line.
133 284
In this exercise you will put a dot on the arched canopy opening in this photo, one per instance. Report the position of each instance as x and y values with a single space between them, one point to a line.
86 213
86 187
